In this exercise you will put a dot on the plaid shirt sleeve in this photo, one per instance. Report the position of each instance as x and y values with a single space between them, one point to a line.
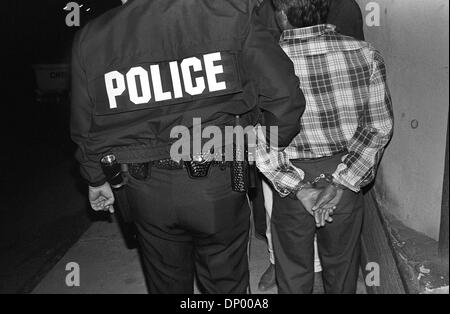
373 134
277 167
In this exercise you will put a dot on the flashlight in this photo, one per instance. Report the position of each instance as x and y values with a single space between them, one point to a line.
113 171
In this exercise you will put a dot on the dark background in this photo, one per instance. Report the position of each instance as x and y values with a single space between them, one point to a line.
36 33
43 205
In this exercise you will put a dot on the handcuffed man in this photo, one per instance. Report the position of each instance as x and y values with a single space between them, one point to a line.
347 124
347 17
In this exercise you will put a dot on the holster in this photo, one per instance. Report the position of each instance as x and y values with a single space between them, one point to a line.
240 170
239 176
122 205
197 170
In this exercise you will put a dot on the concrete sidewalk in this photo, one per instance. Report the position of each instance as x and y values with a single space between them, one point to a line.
107 266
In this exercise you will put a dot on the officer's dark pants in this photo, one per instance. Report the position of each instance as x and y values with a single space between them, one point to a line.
259 211
187 226
293 231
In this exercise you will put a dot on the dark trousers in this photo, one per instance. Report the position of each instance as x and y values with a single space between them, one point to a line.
191 226
256 196
294 229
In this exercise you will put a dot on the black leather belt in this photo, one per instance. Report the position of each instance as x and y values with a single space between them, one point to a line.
196 170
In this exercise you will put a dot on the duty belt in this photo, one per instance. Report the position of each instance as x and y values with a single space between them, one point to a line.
196 169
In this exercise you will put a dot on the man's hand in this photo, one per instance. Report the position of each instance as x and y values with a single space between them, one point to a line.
308 197
330 197
102 198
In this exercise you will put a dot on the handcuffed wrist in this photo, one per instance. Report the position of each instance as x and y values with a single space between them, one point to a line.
298 189
330 180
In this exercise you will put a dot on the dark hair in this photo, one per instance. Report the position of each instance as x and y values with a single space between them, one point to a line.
304 13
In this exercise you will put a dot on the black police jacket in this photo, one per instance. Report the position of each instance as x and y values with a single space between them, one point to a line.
141 69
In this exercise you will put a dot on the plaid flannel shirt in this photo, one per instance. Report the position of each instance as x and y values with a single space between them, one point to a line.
348 109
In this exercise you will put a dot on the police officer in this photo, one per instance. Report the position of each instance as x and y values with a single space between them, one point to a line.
149 66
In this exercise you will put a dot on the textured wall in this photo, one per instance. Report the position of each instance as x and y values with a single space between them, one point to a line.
413 37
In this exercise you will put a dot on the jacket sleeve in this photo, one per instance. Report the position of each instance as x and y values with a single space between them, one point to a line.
81 119
280 99
373 134
266 13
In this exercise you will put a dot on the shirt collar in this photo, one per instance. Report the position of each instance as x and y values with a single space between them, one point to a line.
307 32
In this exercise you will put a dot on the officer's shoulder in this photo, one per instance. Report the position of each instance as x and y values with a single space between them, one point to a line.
100 23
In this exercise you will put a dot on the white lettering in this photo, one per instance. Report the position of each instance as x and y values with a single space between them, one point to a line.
160 95
119 80
196 65
176 80
212 71
182 75
140 73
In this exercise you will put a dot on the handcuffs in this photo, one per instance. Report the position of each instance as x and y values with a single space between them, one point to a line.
325 177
